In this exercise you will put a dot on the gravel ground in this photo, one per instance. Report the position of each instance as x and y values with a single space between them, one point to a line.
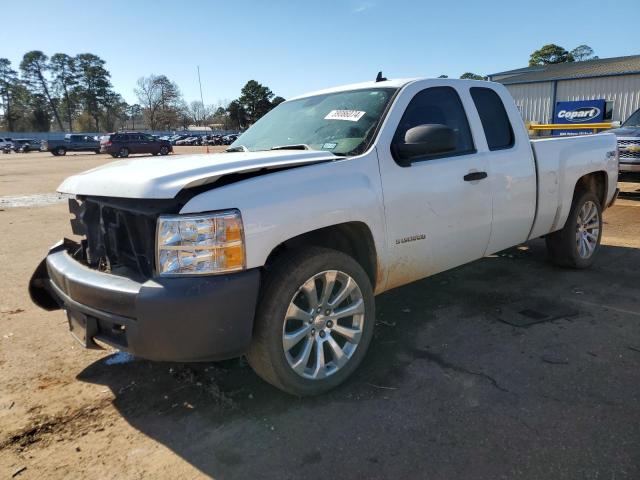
459 382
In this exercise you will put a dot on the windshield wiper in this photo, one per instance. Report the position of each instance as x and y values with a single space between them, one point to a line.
237 148
295 146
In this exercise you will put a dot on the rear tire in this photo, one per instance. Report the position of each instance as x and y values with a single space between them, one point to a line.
114 155
305 340
61 151
576 245
123 152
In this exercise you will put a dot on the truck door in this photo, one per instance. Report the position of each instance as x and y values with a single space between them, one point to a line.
437 206
512 170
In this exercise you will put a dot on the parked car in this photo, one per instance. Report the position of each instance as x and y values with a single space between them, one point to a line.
213 140
177 138
193 140
6 142
72 143
25 145
277 251
229 139
122 144
629 143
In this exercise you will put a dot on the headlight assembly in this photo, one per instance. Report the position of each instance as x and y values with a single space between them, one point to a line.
200 244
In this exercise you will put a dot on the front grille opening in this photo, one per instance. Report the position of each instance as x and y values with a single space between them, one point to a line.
119 234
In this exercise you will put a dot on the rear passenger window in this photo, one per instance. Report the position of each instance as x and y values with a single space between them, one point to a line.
494 118
438 105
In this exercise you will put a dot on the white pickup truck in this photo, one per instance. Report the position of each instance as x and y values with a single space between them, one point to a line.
276 248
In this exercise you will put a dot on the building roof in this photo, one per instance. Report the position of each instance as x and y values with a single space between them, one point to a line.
602 67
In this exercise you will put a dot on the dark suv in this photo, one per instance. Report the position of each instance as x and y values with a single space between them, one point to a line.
124 143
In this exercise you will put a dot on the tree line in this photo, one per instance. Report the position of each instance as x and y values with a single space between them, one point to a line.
74 93
547 55
64 92
161 106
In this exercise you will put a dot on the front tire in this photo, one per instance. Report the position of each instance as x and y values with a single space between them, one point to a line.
576 245
314 321
164 150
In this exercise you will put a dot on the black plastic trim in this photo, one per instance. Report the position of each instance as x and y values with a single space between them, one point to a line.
166 319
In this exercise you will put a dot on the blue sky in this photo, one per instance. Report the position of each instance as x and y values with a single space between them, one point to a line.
297 46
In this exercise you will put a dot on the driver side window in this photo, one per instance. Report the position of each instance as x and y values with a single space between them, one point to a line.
440 106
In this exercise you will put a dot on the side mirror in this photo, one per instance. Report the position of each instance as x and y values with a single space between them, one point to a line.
428 139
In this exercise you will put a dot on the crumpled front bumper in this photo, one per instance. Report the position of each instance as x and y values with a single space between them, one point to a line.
170 319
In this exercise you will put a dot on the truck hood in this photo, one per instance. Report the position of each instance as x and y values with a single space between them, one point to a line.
626 131
165 177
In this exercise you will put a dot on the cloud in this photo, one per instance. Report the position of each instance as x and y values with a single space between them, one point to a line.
362 6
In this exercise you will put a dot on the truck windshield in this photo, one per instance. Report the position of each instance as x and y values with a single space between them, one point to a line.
633 120
342 123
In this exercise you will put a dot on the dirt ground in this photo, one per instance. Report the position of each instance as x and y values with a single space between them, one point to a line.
459 382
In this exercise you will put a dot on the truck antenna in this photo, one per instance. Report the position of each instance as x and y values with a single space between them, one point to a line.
380 78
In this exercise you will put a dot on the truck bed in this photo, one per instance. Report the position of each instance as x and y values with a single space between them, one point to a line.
560 161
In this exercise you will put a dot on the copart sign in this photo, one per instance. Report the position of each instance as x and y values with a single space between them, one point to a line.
581 111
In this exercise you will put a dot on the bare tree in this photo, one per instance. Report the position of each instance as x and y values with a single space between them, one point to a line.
160 100
149 98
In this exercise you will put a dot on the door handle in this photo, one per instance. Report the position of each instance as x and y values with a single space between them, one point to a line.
473 176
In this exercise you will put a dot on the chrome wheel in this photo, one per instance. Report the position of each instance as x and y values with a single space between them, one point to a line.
588 229
323 324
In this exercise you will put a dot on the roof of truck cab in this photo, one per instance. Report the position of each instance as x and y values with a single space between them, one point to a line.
393 83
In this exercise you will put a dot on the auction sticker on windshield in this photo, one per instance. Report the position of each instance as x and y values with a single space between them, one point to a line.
350 115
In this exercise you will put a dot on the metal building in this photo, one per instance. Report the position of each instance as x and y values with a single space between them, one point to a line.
537 89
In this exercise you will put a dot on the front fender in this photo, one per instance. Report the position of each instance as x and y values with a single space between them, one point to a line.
281 205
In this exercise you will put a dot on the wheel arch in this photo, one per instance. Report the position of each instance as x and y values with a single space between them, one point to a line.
351 238
595 182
